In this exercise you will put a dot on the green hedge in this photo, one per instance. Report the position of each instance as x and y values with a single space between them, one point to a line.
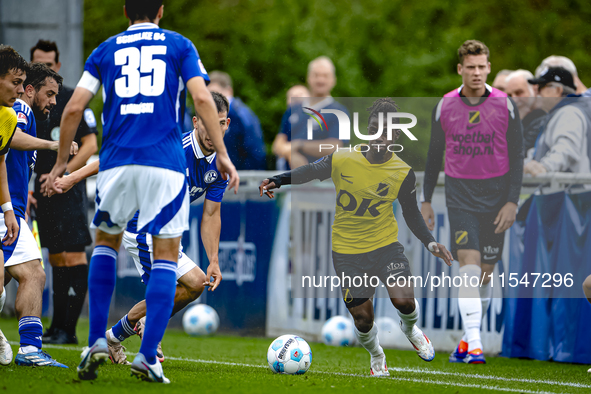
380 48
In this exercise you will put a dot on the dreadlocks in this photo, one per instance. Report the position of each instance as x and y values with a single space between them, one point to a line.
384 105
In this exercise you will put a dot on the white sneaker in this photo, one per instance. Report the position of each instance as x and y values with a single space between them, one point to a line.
150 373
5 350
421 343
116 350
92 357
378 366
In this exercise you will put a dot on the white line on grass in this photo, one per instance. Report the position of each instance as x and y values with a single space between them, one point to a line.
396 369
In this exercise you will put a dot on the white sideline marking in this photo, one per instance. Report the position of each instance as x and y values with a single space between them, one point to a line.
395 369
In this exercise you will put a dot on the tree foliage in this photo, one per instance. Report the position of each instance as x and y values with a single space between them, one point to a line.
380 47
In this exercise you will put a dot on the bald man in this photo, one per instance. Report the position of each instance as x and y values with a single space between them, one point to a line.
291 143
524 94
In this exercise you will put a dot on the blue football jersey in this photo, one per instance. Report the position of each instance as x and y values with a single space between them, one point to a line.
143 72
202 173
20 164
203 176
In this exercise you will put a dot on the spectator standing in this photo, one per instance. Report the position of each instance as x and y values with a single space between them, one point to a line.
562 146
500 81
524 95
291 142
566 63
244 138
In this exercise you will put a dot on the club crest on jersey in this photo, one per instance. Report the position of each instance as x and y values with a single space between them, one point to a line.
22 118
210 176
474 117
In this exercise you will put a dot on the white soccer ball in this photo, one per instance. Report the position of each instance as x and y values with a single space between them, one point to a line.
388 331
201 319
289 354
338 331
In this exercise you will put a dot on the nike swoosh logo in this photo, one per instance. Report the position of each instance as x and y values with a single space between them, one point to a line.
490 258
468 314
471 127
344 177
391 275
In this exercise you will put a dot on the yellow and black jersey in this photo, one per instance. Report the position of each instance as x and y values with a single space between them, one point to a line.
7 128
364 217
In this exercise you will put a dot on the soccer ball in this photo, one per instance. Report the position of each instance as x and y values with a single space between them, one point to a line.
388 331
338 331
200 319
289 354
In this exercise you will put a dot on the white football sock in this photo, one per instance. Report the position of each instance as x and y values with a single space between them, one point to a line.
470 305
409 321
2 299
111 337
28 349
485 294
485 298
369 340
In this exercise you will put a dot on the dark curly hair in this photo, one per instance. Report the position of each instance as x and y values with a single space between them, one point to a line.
382 105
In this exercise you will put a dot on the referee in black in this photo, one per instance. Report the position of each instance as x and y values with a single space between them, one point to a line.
62 219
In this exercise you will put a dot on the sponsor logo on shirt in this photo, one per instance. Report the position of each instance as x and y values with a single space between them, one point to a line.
22 118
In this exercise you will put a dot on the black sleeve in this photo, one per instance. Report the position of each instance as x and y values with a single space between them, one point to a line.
320 169
434 157
407 196
515 150
84 128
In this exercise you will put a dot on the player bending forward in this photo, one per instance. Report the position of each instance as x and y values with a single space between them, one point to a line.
203 178
364 236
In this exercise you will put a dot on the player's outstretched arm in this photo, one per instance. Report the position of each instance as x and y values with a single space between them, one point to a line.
9 217
88 147
205 107
65 183
321 169
68 127
211 227
26 142
407 196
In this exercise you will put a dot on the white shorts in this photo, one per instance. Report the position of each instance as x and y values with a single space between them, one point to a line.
139 246
159 194
24 249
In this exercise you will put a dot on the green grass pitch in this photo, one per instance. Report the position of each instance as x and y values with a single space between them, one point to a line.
229 364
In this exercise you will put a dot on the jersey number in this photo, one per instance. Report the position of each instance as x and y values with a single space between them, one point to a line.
134 62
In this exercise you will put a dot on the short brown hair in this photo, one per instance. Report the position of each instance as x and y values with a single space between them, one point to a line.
221 78
11 60
472 47
46 46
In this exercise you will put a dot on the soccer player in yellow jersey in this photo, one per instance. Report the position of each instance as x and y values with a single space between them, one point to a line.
13 72
364 232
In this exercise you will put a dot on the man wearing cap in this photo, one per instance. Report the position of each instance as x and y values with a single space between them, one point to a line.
563 144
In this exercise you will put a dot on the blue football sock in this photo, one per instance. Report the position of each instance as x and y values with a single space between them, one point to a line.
159 303
102 274
30 330
123 329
